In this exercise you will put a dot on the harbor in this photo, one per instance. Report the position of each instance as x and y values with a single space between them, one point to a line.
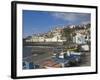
69 46
50 56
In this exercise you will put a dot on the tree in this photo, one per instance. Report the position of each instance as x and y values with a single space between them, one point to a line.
67 32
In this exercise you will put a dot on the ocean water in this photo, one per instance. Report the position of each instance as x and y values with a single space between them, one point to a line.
27 51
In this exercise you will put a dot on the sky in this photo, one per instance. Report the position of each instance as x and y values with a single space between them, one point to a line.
42 21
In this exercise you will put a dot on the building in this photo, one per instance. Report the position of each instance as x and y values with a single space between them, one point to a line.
79 39
36 39
72 26
82 36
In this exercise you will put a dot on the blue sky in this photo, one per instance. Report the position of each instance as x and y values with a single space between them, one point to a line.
43 21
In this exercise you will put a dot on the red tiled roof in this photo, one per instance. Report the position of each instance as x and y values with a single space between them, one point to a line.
50 63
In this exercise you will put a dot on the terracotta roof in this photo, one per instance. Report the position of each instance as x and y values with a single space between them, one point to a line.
50 63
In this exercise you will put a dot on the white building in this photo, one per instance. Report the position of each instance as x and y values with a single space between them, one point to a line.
72 26
54 39
36 39
79 39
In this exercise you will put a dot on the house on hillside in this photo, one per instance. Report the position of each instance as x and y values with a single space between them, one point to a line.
79 39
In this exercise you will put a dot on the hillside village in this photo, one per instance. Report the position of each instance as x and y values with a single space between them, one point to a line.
79 34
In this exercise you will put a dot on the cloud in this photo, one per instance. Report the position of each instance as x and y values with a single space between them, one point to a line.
85 22
73 17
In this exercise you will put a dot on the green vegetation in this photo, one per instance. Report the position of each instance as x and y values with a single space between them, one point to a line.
67 33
